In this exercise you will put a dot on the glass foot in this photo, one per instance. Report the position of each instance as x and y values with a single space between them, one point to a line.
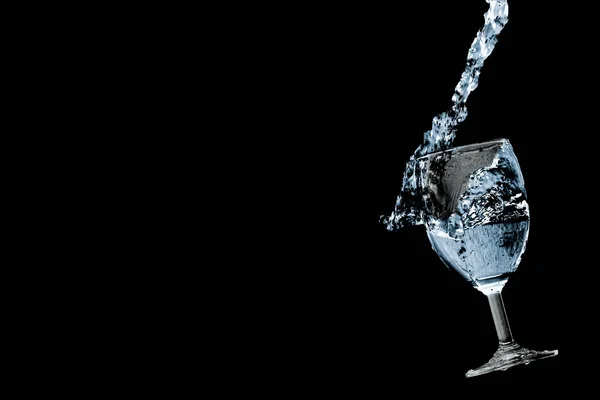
509 355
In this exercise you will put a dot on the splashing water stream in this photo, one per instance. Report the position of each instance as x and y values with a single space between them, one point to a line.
407 210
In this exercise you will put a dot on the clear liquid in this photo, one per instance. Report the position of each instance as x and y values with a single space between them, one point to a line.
484 255
407 210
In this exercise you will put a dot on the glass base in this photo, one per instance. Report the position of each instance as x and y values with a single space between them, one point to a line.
509 355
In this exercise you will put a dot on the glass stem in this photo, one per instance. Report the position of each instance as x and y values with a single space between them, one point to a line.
500 319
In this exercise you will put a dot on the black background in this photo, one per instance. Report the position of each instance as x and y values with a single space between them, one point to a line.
301 289
336 301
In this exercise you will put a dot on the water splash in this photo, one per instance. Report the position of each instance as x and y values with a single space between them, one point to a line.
493 194
407 210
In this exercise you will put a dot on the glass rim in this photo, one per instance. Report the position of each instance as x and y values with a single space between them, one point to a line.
467 148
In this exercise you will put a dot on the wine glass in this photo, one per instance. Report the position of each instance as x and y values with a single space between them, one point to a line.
477 218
